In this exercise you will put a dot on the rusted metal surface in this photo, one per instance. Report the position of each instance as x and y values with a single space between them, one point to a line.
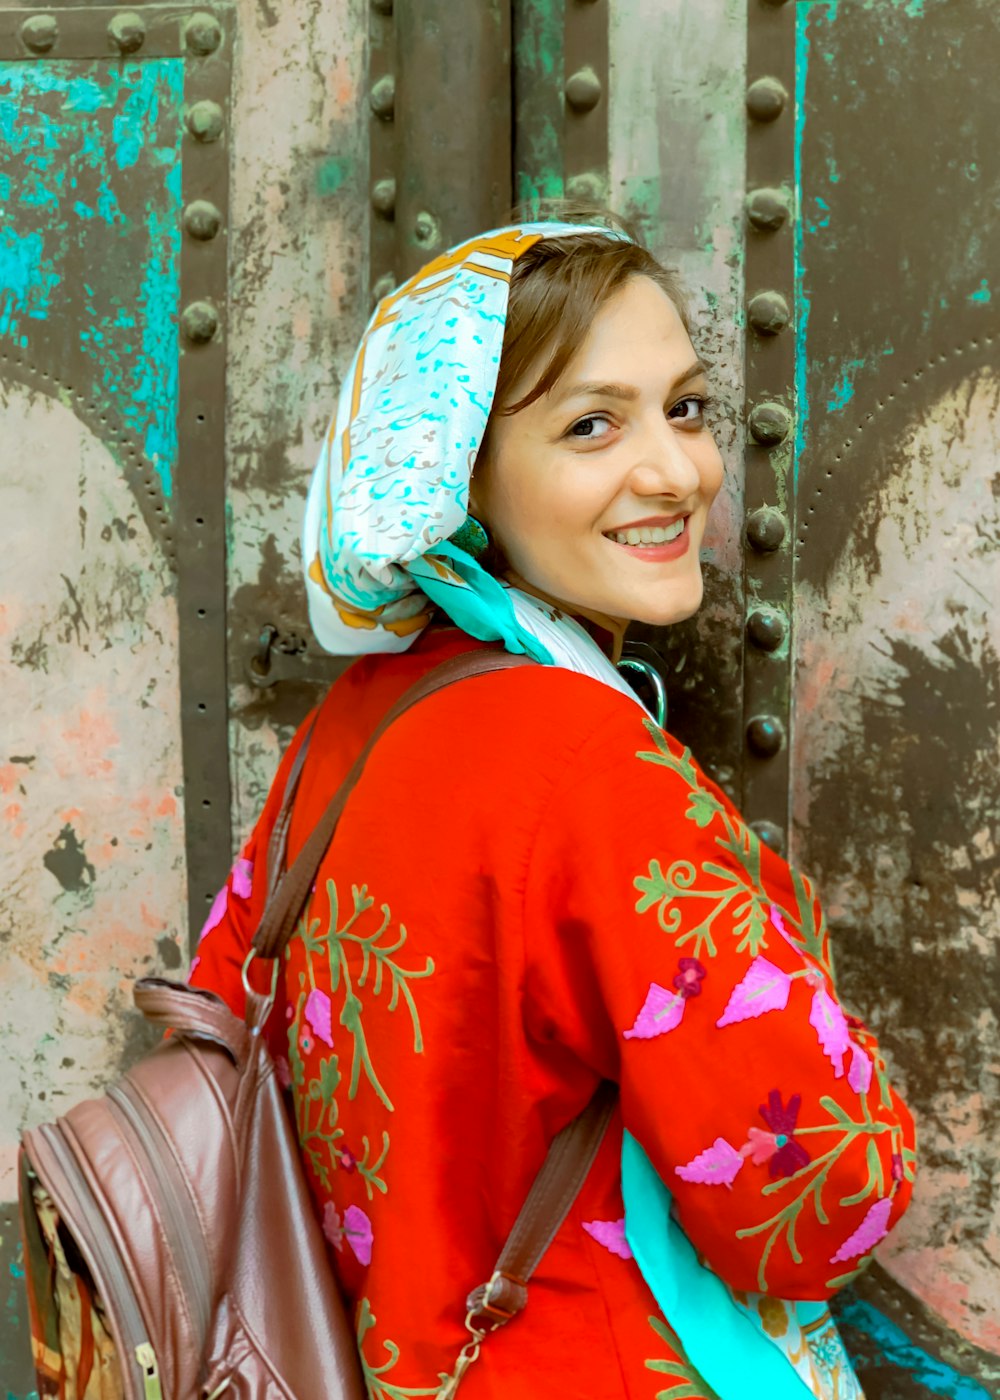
677 133
299 274
895 738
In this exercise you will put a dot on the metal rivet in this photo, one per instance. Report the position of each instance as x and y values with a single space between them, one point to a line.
199 322
770 423
583 90
766 530
768 313
766 99
767 209
385 285
771 835
127 31
427 230
588 186
382 7
765 735
40 33
384 197
205 121
766 629
202 33
383 98
202 220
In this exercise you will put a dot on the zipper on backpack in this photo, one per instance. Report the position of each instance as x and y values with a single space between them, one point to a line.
146 1357
182 1225
74 1199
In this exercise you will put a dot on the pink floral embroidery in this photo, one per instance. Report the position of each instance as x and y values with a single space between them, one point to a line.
778 920
242 878
718 1165
332 1227
305 1041
661 1012
318 1015
217 912
358 1229
760 1147
873 1228
830 1025
790 1155
610 1233
347 1159
764 988
859 1076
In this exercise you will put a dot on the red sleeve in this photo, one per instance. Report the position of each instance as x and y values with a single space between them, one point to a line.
224 941
674 953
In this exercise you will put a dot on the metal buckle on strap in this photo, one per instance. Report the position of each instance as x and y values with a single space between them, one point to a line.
254 996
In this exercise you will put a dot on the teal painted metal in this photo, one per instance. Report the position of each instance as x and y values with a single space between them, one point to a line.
538 79
68 229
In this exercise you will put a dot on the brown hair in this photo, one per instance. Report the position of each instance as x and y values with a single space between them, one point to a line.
556 287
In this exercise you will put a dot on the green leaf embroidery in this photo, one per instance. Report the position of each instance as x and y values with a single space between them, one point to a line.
376 1384
690 1385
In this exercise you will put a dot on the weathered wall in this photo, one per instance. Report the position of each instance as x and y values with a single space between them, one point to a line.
896 731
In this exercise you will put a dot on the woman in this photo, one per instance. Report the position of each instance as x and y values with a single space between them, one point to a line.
533 888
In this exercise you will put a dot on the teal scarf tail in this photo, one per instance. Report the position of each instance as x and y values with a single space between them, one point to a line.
721 1341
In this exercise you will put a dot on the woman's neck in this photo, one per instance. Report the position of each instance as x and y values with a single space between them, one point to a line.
607 632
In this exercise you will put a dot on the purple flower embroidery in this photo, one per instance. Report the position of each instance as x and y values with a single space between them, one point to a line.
690 977
859 1076
830 1025
764 988
217 912
610 1233
718 1165
358 1229
242 878
318 1015
790 1155
873 1228
661 1012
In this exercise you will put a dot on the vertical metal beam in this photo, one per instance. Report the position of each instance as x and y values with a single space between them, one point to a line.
770 385
586 89
452 122
382 147
538 76
201 502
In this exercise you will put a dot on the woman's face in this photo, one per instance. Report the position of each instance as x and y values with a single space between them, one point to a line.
598 492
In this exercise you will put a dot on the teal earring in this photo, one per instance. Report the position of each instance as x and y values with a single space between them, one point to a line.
471 537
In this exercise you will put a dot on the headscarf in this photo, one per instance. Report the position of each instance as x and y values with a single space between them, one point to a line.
391 486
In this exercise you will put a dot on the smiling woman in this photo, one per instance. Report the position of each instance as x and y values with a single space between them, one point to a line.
533 890
597 489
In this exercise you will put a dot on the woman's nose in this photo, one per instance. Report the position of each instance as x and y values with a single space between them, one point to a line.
664 466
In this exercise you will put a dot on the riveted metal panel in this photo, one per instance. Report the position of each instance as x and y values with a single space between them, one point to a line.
897 580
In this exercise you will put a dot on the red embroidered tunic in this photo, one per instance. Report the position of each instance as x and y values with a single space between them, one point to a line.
533 888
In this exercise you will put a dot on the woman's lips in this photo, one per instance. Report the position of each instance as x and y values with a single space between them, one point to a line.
657 553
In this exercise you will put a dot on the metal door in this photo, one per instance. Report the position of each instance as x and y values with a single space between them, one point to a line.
822 174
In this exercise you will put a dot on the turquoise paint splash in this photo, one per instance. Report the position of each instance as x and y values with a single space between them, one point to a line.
897 1350
982 295
90 172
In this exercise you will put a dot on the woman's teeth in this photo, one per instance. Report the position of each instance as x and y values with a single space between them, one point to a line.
648 534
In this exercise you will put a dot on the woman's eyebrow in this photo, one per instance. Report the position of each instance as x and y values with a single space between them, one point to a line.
625 391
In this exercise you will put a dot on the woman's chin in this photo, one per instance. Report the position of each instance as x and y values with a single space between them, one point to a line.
663 611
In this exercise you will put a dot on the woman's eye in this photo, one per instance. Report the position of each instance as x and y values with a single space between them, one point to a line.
689 411
589 427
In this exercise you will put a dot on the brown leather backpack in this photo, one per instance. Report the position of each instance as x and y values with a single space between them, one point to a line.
171 1246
